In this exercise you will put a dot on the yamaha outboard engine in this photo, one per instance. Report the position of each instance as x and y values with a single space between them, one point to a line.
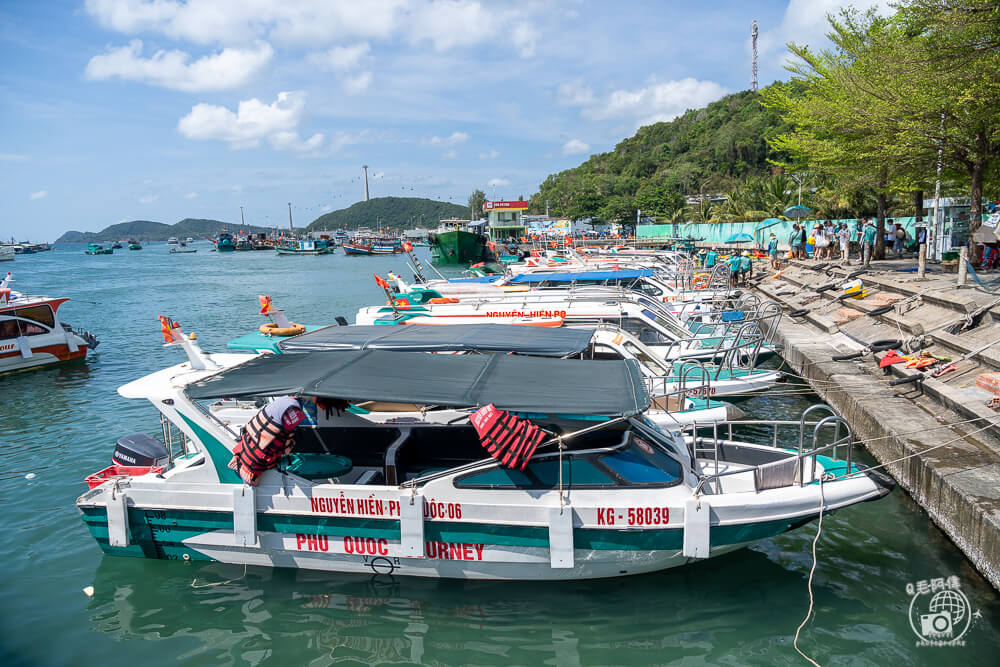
140 449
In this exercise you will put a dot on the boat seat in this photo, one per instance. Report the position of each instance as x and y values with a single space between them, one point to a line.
668 403
317 466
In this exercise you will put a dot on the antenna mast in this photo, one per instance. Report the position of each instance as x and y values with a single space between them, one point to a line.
753 65
365 168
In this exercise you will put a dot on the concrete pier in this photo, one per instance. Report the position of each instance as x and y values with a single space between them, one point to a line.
958 485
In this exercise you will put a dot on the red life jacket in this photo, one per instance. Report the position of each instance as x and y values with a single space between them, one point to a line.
263 442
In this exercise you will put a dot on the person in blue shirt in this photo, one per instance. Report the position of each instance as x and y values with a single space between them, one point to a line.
734 269
772 251
746 267
868 233
711 257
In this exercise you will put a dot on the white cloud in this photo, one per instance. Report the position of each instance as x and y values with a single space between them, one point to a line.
12 157
524 37
450 155
237 189
41 194
191 195
326 207
340 58
148 199
657 101
497 182
575 93
575 147
804 22
355 85
229 68
492 155
252 122
450 140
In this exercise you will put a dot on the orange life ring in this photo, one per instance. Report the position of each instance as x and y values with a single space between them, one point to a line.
272 329
702 281
441 299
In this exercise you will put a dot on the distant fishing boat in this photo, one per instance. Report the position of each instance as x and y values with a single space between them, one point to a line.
172 241
98 249
183 248
224 243
7 253
134 245
117 245
189 240
303 247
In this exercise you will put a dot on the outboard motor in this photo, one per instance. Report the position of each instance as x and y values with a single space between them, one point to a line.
140 449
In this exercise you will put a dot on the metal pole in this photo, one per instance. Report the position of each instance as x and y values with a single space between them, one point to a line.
242 221
963 261
938 228
290 228
922 261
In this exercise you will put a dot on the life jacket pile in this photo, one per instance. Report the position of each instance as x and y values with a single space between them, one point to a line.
508 439
263 441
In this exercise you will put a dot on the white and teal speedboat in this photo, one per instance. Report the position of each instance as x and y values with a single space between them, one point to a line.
411 497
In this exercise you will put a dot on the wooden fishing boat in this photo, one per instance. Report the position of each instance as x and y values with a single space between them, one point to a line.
612 496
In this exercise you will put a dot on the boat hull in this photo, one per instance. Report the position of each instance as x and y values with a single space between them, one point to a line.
41 357
457 247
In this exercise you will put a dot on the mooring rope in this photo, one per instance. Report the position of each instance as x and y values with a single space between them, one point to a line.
195 584
812 571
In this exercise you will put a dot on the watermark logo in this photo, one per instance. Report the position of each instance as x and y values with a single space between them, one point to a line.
940 614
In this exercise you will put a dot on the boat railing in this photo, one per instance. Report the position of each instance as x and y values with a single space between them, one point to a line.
708 440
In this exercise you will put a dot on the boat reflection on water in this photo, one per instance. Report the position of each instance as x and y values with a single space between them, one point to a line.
304 616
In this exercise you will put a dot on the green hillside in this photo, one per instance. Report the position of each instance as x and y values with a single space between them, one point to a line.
394 212
725 142
147 230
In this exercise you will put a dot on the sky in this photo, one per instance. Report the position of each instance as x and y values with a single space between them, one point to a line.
115 110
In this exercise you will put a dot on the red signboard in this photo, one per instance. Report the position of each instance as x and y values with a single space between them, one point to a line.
492 205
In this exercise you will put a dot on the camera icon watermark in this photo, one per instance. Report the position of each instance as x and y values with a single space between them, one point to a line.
940 613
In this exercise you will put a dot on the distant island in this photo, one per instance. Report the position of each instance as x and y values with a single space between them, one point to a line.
147 230
388 212
397 213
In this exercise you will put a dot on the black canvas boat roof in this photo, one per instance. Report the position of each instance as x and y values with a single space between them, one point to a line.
511 382
538 341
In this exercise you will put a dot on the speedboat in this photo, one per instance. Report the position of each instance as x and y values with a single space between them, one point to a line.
6 253
597 491
31 334
98 249
172 241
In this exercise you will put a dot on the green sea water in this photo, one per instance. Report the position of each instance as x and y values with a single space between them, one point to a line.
61 424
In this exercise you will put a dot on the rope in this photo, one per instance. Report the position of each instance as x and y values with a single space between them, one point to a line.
812 571
920 453
195 584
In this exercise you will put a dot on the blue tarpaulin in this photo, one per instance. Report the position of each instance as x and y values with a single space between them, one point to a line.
630 274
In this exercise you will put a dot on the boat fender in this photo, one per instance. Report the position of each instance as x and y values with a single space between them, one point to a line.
268 436
885 344
697 527
340 320
801 312
880 311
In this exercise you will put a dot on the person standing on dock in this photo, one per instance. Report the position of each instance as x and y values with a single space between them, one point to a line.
746 267
772 251
843 234
868 242
710 258
795 240
734 269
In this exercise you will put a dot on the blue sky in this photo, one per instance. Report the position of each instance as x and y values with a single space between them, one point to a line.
115 110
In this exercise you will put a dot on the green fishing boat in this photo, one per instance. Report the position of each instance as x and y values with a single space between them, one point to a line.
98 249
456 242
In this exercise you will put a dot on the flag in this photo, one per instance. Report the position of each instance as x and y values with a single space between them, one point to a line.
265 304
508 439
381 282
407 246
167 330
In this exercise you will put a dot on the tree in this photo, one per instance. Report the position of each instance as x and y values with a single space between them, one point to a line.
585 205
476 201
658 200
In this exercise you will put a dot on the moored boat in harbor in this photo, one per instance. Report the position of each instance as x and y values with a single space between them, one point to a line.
98 249
31 334
410 497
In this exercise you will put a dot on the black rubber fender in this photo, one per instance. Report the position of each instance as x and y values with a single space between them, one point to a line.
880 311
907 380
855 274
845 357
801 312
820 266
825 288
885 344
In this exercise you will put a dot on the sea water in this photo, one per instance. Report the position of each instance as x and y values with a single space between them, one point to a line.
61 424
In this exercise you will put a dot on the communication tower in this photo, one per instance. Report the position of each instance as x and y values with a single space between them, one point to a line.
753 64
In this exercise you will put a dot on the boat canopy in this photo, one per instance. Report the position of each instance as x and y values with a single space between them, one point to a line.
510 382
476 279
537 341
567 277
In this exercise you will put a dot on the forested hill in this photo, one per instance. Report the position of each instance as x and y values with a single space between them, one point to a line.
395 212
147 230
725 142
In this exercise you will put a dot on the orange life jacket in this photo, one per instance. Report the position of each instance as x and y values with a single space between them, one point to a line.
263 442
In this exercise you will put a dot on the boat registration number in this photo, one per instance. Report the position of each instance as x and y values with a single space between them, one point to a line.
633 516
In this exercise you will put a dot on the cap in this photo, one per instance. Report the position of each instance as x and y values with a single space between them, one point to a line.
746 254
